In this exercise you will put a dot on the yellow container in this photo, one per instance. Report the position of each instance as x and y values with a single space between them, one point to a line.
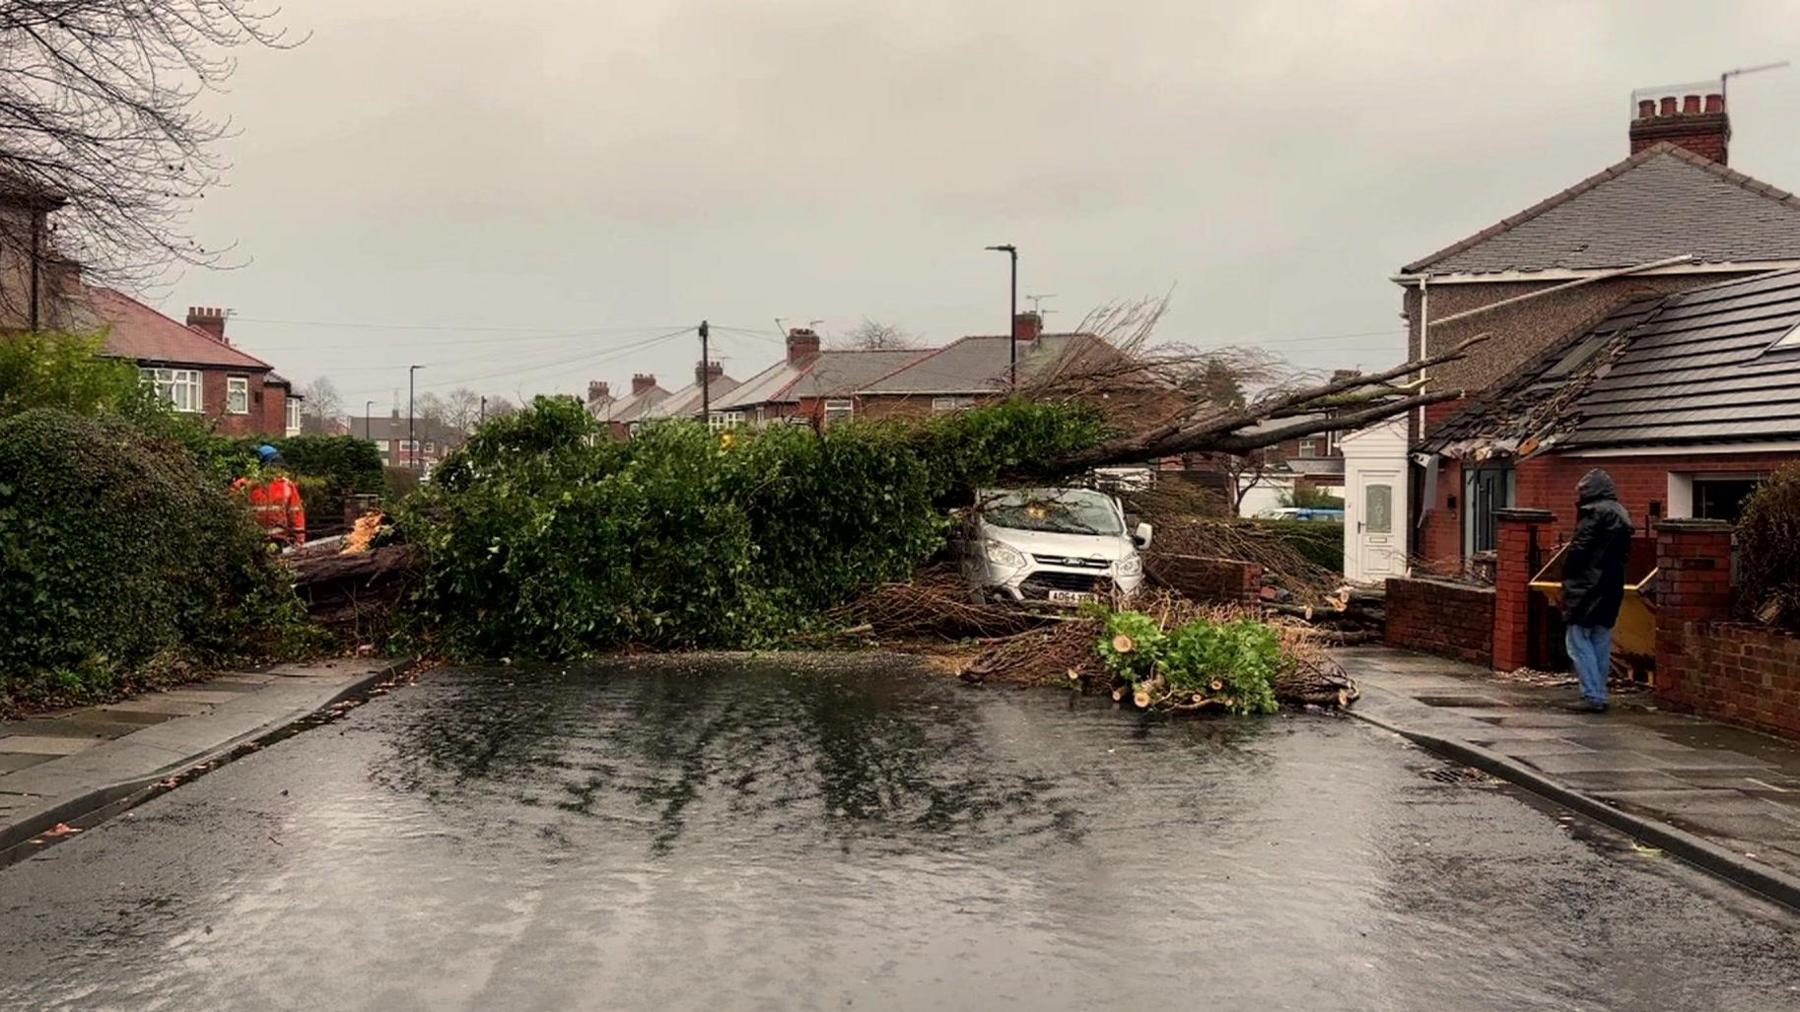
1635 633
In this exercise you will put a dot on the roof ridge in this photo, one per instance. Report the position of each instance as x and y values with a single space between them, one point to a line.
1606 175
933 353
147 307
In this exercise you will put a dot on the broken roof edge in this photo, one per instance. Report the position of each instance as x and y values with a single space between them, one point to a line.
1605 175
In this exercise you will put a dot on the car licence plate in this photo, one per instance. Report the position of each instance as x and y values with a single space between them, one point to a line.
1070 597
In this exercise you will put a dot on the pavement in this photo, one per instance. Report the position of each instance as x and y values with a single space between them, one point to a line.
1721 797
77 767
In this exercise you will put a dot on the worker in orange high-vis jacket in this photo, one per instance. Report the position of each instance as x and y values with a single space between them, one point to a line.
276 502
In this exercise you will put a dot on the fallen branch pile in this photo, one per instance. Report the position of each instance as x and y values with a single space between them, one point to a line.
935 603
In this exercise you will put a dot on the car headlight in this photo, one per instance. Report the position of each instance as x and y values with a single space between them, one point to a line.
1130 565
1001 554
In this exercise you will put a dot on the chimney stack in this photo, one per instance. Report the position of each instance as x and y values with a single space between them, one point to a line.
597 392
707 372
802 345
209 319
1027 326
1695 122
641 382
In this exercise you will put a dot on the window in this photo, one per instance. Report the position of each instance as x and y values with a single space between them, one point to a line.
430 447
293 417
1309 447
1378 509
180 387
1486 489
951 403
721 420
1722 498
237 395
839 409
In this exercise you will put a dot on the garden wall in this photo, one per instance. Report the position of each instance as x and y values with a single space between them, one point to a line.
1213 581
1440 617
1729 671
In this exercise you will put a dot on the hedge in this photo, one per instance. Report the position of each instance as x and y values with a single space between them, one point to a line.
119 553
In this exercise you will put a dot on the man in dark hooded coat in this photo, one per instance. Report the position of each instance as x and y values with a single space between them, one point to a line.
1594 583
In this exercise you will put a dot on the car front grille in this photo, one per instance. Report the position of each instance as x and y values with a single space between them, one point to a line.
1072 562
1038 585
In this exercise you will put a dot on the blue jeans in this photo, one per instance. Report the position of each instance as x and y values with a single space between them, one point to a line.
1590 650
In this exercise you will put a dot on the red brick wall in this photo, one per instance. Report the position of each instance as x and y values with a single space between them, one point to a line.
1439 617
268 405
1440 535
1741 673
1214 581
1513 627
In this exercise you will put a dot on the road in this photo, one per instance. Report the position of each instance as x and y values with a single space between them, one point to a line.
716 835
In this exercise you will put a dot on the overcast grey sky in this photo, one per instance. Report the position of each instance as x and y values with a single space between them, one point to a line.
583 176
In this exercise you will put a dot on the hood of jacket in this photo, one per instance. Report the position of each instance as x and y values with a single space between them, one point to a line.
1596 486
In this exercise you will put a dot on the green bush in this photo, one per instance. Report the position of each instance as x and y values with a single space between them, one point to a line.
66 371
118 553
542 538
1242 656
1768 544
1321 542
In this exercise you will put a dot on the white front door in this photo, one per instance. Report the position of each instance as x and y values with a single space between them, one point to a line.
1380 546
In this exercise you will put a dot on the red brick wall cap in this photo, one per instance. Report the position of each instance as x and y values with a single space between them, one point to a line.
1524 515
1693 525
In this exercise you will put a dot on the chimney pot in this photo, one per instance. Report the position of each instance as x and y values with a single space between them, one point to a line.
1715 104
802 345
1696 123
208 319
597 391
705 370
1646 108
1668 105
642 381
1690 105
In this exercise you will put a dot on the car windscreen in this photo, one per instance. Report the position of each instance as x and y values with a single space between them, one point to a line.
1054 511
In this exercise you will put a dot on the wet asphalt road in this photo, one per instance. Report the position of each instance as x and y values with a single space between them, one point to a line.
747 837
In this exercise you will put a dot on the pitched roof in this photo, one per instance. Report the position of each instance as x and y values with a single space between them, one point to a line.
629 407
686 401
830 373
1698 366
1662 202
135 331
976 365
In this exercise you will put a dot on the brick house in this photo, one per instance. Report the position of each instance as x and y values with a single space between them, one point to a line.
621 413
417 443
812 384
194 365
1581 292
686 402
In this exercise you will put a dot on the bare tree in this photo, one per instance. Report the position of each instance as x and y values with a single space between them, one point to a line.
100 135
322 400
462 409
873 335
1243 472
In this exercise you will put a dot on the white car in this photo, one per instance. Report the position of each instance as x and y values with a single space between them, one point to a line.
1058 546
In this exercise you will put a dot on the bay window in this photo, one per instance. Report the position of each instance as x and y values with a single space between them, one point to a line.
179 387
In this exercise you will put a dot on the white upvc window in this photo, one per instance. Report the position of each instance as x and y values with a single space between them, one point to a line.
1309 448
951 403
721 420
180 387
237 395
293 417
839 409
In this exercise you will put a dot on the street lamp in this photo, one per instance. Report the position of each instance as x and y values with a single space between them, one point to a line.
1012 315
368 409
412 441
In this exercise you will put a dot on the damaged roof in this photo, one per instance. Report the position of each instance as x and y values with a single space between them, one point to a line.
1665 201
1719 364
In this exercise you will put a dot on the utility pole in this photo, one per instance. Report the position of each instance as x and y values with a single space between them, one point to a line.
37 228
483 419
705 376
1012 315
412 439
368 409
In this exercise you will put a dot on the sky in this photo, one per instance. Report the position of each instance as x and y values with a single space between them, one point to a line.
523 197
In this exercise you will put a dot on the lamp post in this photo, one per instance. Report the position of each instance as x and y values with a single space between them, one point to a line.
412 441
368 409
1012 316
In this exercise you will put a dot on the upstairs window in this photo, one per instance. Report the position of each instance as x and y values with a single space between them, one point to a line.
839 409
293 417
951 403
237 395
1309 447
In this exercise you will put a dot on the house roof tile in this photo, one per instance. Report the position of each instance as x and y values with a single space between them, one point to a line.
975 365
1662 202
135 331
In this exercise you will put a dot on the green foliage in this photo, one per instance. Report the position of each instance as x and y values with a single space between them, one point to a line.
542 537
1242 656
117 552
1768 543
1321 542
1312 498
66 371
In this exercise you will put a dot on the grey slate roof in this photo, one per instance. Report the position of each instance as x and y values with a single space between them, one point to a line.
975 365
1693 367
1662 202
1701 369
686 401
831 373
629 407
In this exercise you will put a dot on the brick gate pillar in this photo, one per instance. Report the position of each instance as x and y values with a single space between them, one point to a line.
1693 585
1524 542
